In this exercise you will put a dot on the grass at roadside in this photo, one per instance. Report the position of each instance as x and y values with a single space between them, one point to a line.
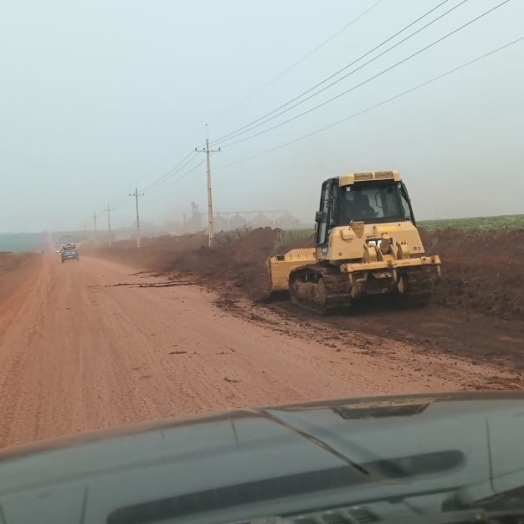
292 236
9 261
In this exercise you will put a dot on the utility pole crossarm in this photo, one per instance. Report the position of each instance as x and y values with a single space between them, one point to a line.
207 151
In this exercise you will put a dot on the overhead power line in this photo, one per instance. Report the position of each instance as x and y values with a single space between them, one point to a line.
165 179
379 104
168 181
300 61
160 183
183 175
265 117
384 71
180 165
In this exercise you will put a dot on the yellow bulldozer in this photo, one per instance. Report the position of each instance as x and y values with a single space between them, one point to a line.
366 243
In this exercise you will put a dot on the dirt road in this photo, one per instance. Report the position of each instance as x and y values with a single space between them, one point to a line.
90 344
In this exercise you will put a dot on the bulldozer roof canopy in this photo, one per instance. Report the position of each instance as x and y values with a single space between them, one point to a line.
355 178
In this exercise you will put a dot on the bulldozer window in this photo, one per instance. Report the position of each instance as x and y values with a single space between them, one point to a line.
370 202
406 208
325 212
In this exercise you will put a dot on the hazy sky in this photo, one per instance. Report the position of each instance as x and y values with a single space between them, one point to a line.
98 95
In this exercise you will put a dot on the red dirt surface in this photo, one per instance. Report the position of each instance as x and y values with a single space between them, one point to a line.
239 262
94 344
91 344
16 270
477 310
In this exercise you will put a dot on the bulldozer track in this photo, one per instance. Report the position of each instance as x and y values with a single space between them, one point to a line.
319 288
323 289
420 286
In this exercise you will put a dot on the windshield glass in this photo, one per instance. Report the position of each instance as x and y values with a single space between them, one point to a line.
372 202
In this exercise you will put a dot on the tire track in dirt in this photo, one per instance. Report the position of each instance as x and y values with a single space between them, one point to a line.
85 354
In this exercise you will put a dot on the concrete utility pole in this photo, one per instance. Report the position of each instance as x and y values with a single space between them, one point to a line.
94 221
207 151
108 209
136 194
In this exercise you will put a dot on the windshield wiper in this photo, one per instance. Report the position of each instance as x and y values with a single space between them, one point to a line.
320 443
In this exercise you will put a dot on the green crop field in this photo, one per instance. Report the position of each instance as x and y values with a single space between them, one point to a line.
498 223
476 224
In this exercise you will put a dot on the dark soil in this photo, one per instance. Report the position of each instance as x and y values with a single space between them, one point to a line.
482 271
477 310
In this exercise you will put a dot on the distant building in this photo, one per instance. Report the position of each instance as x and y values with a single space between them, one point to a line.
194 222
231 220
237 222
260 220
220 222
173 227
287 221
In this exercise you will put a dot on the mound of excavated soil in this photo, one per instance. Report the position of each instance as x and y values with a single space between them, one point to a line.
482 271
477 310
237 260
155 254
241 262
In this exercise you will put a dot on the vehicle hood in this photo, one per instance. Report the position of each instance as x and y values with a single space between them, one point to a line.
385 446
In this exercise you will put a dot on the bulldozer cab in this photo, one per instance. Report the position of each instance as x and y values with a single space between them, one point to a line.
371 201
